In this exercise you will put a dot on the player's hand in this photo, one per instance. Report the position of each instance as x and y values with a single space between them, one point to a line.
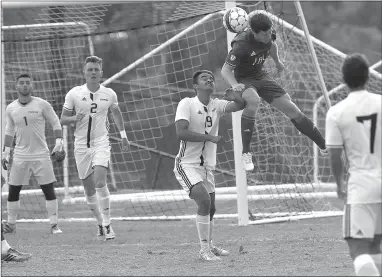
280 67
59 145
217 139
125 144
341 194
5 158
238 87
80 116
230 95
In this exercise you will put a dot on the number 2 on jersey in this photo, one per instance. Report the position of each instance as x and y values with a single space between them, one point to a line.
373 127
93 108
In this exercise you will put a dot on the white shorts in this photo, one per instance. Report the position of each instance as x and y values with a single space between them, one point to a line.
21 172
362 221
190 176
88 158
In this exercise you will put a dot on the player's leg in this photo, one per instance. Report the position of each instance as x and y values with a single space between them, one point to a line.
83 159
358 231
44 174
252 101
19 176
299 119
103 196
375 250
9 254
210 186
191 181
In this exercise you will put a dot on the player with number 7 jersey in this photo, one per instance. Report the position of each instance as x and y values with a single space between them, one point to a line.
87 106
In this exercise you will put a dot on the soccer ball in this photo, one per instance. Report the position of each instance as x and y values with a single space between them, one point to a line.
235 20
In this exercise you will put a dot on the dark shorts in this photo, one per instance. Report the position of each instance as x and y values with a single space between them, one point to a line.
266 87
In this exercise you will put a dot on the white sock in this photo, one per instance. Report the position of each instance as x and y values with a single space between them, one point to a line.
52 208
4 246
203 226
13 208
94 207
211 230
103 196
364 266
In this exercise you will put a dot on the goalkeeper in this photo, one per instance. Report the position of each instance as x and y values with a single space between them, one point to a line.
244 71
25 119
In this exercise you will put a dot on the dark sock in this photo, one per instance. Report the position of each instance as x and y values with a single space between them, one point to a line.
247 125
306 126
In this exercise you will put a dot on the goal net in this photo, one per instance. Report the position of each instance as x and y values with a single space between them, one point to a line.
149 62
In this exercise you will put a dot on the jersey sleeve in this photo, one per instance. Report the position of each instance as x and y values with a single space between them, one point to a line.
221 106
333 134
183 110
234 55
114 100
50 115
69 101
10 127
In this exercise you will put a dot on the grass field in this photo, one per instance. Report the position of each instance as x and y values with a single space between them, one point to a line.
301 248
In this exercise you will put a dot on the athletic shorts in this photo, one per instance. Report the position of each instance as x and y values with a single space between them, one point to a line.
21 172
190 176
266 87
362 221
88 158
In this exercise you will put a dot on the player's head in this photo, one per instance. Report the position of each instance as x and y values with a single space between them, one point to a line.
204 80
261 26
24 84
355 71
93 69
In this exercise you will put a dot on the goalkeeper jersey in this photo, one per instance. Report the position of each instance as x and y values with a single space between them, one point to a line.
202 120
93 129
27 122
355 124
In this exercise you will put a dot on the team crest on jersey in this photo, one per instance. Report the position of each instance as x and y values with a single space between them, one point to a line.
233 57
199 112
83 99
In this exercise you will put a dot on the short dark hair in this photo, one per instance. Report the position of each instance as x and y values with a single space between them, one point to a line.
355 70
197 73
259 22
93 59
24 75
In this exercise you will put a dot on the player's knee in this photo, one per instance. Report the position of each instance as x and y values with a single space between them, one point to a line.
252 99
14 193
358 247
103 192
202 198
48 191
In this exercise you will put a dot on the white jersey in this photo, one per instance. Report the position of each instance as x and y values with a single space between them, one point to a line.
355 123
93 129
202 120
28 123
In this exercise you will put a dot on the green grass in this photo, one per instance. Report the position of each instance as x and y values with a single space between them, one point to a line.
303 248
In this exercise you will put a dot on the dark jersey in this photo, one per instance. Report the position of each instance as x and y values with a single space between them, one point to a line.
248 56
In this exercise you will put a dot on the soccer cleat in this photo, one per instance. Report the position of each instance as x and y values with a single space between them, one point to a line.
109 233
100 232
55 230
219 251
9 228
247 162
324 152
13 255
207 255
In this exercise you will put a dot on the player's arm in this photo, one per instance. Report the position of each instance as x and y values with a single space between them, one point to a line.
118 119
10 129
51 116
230 64
182 119
67 115
334 144
274 53
235 102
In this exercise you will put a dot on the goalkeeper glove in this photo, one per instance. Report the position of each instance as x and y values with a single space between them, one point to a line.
5 157
58 153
